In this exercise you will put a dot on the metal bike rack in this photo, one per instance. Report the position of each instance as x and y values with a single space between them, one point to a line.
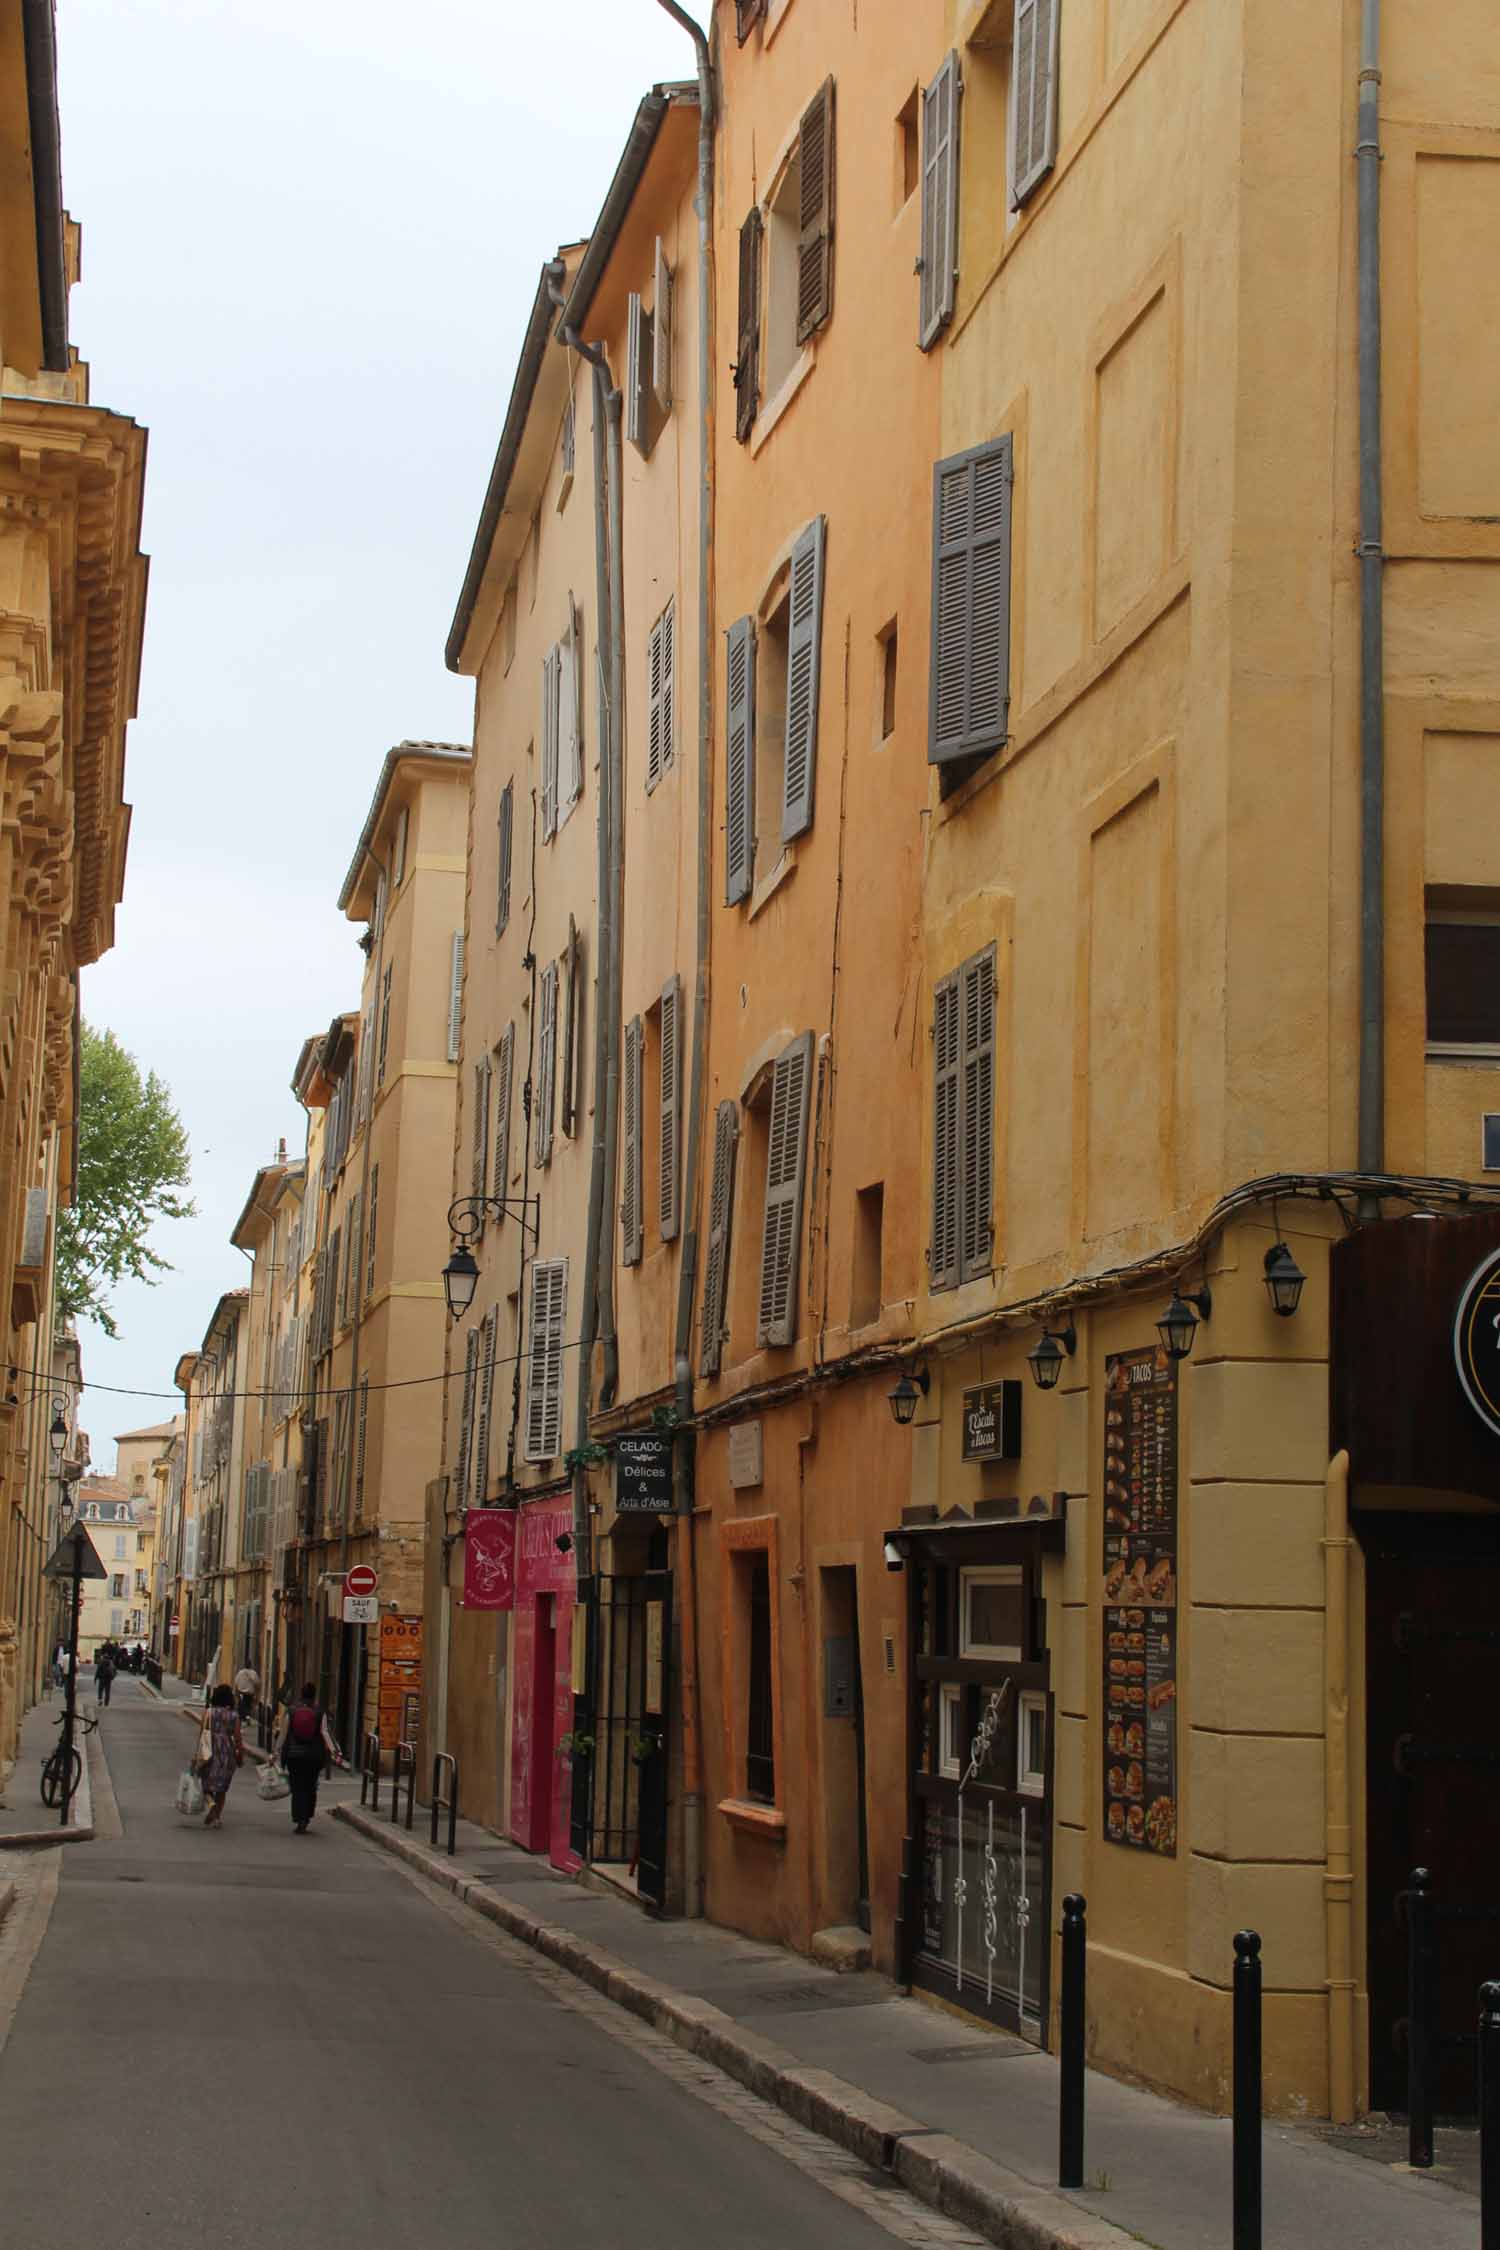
405 1759
448 1804
369 1769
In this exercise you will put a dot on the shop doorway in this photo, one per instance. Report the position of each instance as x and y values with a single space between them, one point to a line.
1432 1690
630 1621
846 1832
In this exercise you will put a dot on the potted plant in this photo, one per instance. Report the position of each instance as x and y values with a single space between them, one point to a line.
576 1744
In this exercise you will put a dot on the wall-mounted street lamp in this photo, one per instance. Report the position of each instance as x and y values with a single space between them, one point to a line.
1284 1280
1179 1323
466 1219
910 1390
58 1432
1045 1359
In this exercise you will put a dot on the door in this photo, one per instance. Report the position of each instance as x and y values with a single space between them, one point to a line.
630 1676
846 1843
1432 1625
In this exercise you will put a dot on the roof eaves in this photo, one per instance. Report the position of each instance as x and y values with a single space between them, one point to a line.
452 753
621 194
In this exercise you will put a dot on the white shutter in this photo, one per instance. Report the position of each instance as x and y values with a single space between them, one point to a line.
939 202
455 996
551 692
544 1366
506 1057
803 665
661 332
739 791
546 1073
488 1343
786 1165
1033 97
670 1168
631 1216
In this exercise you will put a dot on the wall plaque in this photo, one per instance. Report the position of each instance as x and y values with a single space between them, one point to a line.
746 1459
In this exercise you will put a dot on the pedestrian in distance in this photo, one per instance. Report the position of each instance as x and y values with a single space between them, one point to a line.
247 1688
60 1664
303 1747
221 1753
104 1675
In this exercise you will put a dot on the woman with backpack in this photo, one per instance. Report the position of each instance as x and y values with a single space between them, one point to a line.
304 1745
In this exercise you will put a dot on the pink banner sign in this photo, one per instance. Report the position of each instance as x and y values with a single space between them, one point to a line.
542 1567
490 1558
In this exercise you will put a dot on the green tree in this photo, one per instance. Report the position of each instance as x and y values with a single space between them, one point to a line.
132 1165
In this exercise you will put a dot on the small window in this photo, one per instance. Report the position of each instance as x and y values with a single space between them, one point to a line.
869 1228
760 1740
1463 979
990 1616
908 149
1031 1745
951 1731
886 651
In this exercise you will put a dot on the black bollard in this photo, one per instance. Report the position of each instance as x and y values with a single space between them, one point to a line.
1489 2117
1421 2052
1071 2041
1247 2090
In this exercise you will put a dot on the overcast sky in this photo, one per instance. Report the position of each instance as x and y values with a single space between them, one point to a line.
311 236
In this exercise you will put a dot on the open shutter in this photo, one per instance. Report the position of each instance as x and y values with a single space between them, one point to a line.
747 14
739 806
551 696
803 665
971 532
939 202
638 353
716 1259
481 1150
660 660
466 1419
507 831
1033 97
786 1168
546 1064
668 633
671 1106
572 1034
549 1285
507 1067
570 714
631 1228
977 1031
374 1222
385 1028
943 1256
487 1346
815 243
661 332
747 362
455 999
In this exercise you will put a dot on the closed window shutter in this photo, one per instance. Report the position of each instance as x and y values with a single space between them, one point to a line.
747 363
455 995
504 1077
359 1450
971 540
507 827
638 355
466 1418
671 1105
978 1118
374 1217
661 331
739 806
716 1260
943 1258
747 14
1033 97
631 1227
660 657
570 716
551 692
668 632
487 1341
480 1154
815 243
786 1167
549 1289
385 1028
803 665
939 202
547 1064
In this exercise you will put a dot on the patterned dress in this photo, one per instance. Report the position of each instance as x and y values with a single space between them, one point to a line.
221 1767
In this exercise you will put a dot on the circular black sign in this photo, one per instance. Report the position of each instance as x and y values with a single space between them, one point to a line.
1476 1341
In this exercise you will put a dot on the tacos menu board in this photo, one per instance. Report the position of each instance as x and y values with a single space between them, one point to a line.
1140 1598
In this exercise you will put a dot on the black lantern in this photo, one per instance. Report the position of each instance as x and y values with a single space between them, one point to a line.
58 1432
1179 1323
908 1393
1284 1280
460 1280
1045 1359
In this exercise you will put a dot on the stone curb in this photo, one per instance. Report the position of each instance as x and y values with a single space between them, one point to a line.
73 1832
956 2180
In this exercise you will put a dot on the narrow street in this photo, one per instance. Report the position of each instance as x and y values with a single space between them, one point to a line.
254 2038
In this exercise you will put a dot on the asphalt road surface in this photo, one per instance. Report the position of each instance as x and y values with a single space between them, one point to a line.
248 2038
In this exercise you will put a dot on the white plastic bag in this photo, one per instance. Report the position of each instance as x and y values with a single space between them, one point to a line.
271 1783
189 1793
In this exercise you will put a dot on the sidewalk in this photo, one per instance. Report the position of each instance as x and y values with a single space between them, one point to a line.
964 2117
24 1819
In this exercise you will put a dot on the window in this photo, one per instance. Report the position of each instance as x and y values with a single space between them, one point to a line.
551 723
963 1132
669 1161
479 1132
572 1052
971 542
771 718
117 1619
951 1735
869 1226
359 1446
385 1023
660 699
794 241
747 362
747 13
938 263
1031 1745
398 850
786 1164
760 1731
1463 976
991 1605
546 1074
908 149
374 1216
140 1542
886 652
632 1230
507 820
455 994
720 1216
119 1546
544 1359
562 750
117 1583
1033 97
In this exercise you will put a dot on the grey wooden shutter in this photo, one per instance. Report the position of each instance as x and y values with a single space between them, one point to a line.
670 1165
803 665
486 1401
507 833
631 1216
716 1257
1033 97
939 202
747 14
504 1077
551 696
943 1255
570 715
786 1170
481 1150
661 332
549 1286
385 1027
638 356
335 1269
668 633
359 1452
455 995
546 1064
815 242
466 1419
977 1031
660 663
739 791
971 539
374 1220
747 362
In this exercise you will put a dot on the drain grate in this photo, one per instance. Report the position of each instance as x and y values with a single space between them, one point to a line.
1001 2048
838 1992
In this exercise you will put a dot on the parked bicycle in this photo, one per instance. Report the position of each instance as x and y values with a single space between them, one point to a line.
56 1778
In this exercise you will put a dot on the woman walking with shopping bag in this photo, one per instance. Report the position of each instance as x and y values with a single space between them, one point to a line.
221 1753
304 1744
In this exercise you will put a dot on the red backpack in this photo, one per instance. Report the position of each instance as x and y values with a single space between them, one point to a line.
306 1725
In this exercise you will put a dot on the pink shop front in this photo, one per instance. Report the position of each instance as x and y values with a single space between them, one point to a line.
541 1780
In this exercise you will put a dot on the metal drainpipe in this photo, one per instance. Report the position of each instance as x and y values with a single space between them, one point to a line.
1372 625
692 1764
